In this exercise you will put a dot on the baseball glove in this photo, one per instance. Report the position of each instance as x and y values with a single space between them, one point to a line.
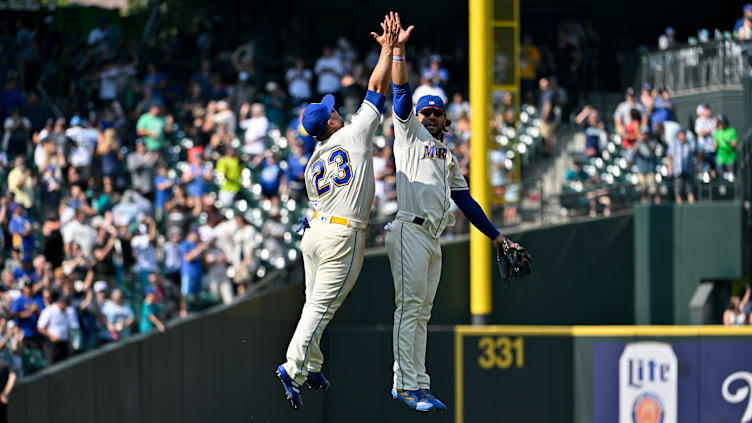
513 260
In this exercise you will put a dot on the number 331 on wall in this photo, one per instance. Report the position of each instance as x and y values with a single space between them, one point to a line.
501 352
341 158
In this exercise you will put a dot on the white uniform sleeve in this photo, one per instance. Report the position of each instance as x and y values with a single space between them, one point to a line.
406 132
457 182
364 124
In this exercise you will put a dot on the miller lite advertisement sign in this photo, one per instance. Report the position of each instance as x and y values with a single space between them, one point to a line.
648 383
700 380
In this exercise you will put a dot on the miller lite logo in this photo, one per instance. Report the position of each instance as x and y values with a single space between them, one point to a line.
648 380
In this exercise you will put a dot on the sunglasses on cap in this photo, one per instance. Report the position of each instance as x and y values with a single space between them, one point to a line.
428 111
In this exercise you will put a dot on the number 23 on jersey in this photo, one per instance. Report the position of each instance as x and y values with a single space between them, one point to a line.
341 159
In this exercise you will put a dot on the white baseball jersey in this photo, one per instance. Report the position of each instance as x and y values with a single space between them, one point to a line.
427 173
339 176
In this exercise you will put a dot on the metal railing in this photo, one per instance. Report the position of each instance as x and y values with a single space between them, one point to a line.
714 64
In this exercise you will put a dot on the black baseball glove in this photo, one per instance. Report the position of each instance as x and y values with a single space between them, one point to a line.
513 260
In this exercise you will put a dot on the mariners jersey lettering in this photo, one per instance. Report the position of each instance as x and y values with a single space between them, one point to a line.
427 172
339 176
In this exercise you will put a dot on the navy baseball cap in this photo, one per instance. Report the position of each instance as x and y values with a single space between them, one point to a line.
430 101
316 115
747 8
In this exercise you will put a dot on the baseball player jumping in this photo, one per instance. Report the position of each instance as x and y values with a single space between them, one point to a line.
427 177
340 183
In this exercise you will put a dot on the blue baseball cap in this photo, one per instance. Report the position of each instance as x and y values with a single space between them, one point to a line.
747 8
430 101
316 115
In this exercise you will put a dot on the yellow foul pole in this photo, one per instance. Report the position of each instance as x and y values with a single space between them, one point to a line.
480 96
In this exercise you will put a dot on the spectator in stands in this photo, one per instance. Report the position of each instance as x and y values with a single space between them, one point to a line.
150 311
25 312
295 172
681 165
726 138
330 71
118 315
663 108
215 277
255 128
549 98
623 113
276 104
645 159
299 81
22 230
646 97
735 314
21 183
274 232
152 126
438 75
163 184
243 250
191 268
78 232
458 107
17 134
230 168
576 172
632 129
142 246
746 14
595 134
744 31
142 165
271 177
11 344
55 324
427 87
705 126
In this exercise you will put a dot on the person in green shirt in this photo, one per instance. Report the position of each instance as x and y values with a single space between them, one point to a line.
725 139
230 168
152 126
149 312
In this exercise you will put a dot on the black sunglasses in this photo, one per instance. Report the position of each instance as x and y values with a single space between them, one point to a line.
428 111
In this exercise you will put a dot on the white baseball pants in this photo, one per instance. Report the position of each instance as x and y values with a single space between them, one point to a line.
332 257
415 259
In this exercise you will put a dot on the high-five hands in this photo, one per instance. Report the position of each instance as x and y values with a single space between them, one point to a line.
388 39
404 34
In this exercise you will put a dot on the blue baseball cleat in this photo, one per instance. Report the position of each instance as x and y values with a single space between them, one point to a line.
316 380
412 399
428 396
292 389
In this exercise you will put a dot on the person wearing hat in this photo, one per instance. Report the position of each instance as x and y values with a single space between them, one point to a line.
340 183
149 313
705 127
726 139
25 311
623 113
428 177
743 26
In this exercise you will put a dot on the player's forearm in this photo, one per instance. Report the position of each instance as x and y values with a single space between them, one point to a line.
399 68
379 80
474 213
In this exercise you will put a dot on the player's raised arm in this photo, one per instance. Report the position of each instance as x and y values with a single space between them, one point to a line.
379 80
402 100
